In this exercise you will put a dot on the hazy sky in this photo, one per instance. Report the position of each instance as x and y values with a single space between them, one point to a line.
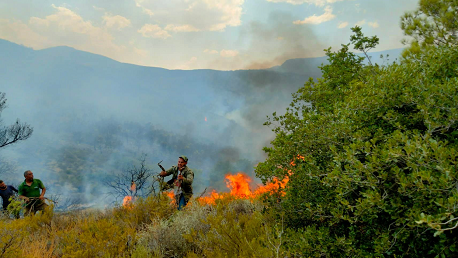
195 34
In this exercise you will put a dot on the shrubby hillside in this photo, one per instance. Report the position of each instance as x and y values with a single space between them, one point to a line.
364 161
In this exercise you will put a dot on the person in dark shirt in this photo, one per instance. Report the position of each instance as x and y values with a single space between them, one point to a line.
6 191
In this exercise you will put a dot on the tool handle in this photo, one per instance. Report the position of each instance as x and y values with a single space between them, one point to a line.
159 164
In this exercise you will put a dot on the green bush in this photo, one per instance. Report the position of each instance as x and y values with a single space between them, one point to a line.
144 211
235 228
15 207
11 239
97 238
164 237
379 145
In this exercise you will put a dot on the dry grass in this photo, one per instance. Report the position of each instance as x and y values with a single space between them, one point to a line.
150 228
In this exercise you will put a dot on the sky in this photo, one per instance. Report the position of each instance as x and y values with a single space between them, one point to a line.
201 34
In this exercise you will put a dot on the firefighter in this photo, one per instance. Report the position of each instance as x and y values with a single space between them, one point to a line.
181 181
29 191
6 191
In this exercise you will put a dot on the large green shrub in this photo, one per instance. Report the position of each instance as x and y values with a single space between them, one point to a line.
235 228
379 145
433 23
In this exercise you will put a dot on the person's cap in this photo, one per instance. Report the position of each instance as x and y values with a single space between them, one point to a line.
184 158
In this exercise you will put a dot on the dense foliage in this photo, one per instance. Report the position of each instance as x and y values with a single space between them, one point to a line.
435 22
379 146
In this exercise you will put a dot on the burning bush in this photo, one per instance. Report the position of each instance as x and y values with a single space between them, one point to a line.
240 187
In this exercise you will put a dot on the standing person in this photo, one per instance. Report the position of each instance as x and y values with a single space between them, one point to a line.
29 191
181 181
6 191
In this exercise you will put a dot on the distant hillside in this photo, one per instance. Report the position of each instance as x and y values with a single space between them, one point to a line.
92 114
62 79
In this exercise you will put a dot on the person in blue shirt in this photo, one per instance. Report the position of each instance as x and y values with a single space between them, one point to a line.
6 191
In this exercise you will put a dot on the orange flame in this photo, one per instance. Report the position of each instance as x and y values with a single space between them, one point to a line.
273 186
239 186
292 163
127 202
171 195
211 199
205 119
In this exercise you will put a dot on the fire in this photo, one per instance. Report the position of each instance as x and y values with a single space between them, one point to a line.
127 202
239 186
292 163
171 195
212 198
205 119
272 186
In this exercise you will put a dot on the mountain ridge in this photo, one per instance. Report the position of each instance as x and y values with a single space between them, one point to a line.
295 65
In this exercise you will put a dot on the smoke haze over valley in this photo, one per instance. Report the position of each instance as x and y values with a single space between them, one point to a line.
93 117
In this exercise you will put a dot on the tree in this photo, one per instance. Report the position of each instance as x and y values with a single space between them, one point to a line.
134 181
370 153
434 23
15 132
